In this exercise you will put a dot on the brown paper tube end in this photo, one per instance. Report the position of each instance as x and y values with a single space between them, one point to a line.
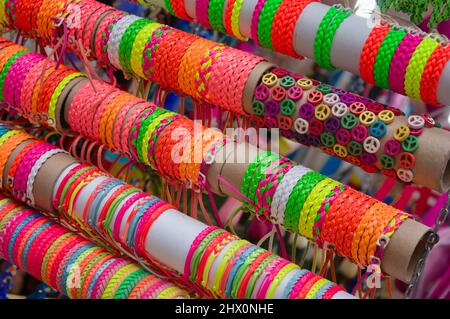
251 83
405 248
46 178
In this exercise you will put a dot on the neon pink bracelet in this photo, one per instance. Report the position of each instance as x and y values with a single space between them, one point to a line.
307 287
255 20
141 226
36 254
277 265
155 290
29 84
119 122
201 12
400 60
118 221
103 279
197 241
16 75
25 166
332 291
300 284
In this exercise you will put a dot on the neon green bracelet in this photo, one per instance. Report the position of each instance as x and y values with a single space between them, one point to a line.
297 199
265 22
384 56
148 133
215 14
416 66
315 288
127 41
325 34
129 283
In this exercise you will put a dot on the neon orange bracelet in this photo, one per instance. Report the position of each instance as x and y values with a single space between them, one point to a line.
432 73
284 23
369 52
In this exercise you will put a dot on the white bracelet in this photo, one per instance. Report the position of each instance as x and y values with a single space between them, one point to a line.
115 38
283 191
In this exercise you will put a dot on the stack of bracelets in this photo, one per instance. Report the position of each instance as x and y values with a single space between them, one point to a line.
393 57
281 99
70 263
196 67
123 217
341 124
304 199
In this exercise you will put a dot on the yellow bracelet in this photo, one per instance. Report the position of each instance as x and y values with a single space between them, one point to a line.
309 202
235 13
172 292
212 256
138 47
279 278
416 66
3 20
315 288
218 277
313 205
117 279
148 134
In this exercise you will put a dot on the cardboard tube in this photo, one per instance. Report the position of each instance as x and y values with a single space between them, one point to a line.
432 167
64 100
404 250
433 152
46 178
251 83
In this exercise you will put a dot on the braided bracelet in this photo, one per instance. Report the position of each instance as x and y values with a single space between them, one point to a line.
325 34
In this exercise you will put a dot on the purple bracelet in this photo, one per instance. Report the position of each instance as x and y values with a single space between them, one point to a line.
255 19
400 62
201 12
